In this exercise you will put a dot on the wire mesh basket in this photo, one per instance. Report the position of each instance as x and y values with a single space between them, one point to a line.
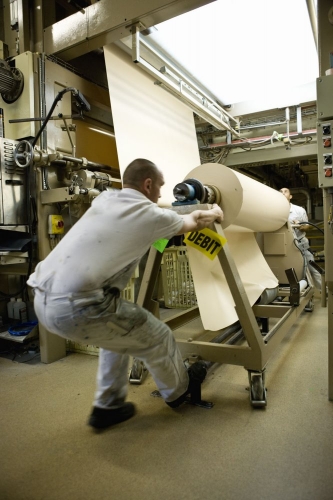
177 280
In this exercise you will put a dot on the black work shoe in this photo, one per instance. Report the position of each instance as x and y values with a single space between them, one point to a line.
197 374
179 401
102 418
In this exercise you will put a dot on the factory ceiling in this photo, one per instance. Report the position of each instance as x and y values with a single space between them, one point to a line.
239 51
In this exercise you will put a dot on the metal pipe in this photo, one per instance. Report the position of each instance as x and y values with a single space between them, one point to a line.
23 26
38 25
42 102
237 336
313 20
87 164
241 142
276 327
226 332
42 111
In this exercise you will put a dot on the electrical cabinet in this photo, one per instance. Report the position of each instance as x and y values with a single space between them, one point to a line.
325 130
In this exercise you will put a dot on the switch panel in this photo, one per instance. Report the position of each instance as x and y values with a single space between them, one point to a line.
325 130
325 153
56 224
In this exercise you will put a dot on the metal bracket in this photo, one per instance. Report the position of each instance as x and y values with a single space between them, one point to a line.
138 26
56 195
294 287
71 128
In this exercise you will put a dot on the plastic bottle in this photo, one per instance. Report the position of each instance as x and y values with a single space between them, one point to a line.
20 310
10 307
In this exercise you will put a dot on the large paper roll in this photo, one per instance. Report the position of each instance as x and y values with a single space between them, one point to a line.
245 202
248 207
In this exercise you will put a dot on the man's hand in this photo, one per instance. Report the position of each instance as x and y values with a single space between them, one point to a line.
220 215
201 218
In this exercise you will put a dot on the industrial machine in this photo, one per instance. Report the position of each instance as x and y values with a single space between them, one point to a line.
46 180
325 181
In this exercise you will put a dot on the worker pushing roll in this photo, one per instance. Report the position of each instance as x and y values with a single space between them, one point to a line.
77 291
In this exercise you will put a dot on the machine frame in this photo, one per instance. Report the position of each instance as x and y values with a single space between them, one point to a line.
260 346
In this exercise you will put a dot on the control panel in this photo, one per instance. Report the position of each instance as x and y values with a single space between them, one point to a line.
325 150
325 130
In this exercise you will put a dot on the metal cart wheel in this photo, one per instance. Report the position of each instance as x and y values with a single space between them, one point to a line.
309 306
257 391
138 372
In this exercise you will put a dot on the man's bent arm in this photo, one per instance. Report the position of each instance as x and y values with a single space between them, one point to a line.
200 218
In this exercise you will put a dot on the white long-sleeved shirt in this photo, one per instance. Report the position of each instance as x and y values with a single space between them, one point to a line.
105 244
299 214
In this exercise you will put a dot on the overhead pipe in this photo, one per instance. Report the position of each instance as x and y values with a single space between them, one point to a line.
237 142
313 20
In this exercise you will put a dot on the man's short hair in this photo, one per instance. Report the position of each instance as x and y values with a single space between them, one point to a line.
139 170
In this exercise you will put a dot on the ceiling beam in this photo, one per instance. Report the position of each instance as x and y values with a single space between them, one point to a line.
105 22
271 155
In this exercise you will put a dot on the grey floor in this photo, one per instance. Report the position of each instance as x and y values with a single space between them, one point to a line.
231 452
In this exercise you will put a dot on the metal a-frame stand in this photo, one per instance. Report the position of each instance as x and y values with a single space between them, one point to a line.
253 354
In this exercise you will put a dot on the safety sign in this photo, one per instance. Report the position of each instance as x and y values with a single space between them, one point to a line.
206 241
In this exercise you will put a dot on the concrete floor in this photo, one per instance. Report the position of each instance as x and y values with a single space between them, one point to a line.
231 452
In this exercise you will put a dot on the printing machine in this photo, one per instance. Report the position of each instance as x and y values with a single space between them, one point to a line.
48 115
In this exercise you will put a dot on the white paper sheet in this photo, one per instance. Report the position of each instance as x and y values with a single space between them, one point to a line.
150 123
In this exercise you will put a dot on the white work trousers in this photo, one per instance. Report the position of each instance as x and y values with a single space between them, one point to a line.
316 276
121 329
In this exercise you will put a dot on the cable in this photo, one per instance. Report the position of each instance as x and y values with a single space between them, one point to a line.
30 359
302 251
311 224
80 101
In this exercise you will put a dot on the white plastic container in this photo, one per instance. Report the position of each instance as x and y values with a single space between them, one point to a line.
10 307
20 310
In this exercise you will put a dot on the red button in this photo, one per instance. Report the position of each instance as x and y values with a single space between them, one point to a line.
60 223
328 172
